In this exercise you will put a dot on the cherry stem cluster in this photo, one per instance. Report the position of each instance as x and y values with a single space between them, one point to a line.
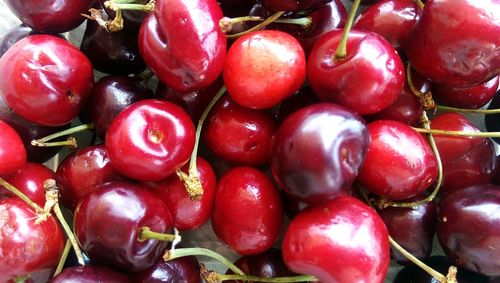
226 24
261 25
117 5
45 141
419 3
341 52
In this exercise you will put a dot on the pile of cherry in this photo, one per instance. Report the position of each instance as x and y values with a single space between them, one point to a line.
264 109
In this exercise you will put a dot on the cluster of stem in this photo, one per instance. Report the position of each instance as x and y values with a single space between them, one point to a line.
70 141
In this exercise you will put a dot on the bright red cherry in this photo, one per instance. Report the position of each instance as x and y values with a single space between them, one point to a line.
45 79
263 68
399 164
12 150
149 140
367 81
342 240
247 213
90 273
465 97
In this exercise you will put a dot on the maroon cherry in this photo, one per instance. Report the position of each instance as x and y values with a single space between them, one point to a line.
90 274
468 228
465 97
342 240
295 5
14 35
318 151
149 140
367 81
263 68
399 164
29 250
181 270
455 43
300 99
108 223
12 151
247 213
45 79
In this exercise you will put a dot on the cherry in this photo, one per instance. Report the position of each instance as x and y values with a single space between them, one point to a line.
12 151
318 151
342 240
263 68
291 205
182 270
29 180
468 230
247 213
367 81
30 250
454 43
50 16
466 97
187 214
150 139
239 135
300 99
14 35
82 172
110 236
399 164
45 79
90 274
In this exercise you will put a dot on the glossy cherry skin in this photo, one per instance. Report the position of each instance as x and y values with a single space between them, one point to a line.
90 274
263 68
110 96
467 161
465 97
29 180
187 214
399 164
183 44
318 151
27 248
342 240
110 236
468 228
13 36
392 19
12 151
149 140
50 16
179 270
247 213
239 135
368 80
81 173
455 43
412 228
45 79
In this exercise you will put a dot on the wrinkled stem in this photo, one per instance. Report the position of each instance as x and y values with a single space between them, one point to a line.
341 52
177 253
146 234
128 5
266 22
44 140
63 258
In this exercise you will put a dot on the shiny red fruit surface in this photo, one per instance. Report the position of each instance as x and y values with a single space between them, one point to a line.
90 274
12 150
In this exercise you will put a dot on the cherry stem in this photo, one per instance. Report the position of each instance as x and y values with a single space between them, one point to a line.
471 111
191 180
43 141
64 256
146 234
226 24
459 133
177 253
264 23
129 5
419 3
22 196
299 278
341 51
425 98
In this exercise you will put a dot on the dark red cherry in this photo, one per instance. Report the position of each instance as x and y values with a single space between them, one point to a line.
247 213
110 96
263 68
50 16
45 79
108 221
295 5
291 205
81 172
367 81
29 249
465 97
469 228
90 274
29 180
12 151
150 139
181 270
187 214
455 43
318 151
239 135
300 99
460 154
399 164
342 240
14 35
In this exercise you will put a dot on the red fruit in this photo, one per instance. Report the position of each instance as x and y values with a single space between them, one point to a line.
247 214
342 240
263 68
12 150
90 273
465 97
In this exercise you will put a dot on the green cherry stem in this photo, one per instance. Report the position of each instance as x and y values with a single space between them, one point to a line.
145 234
191 180
22 196
341 51
129 5
43 141
177 253
261 25
470 111
64 256
226 24
459 133
425 98
419 3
